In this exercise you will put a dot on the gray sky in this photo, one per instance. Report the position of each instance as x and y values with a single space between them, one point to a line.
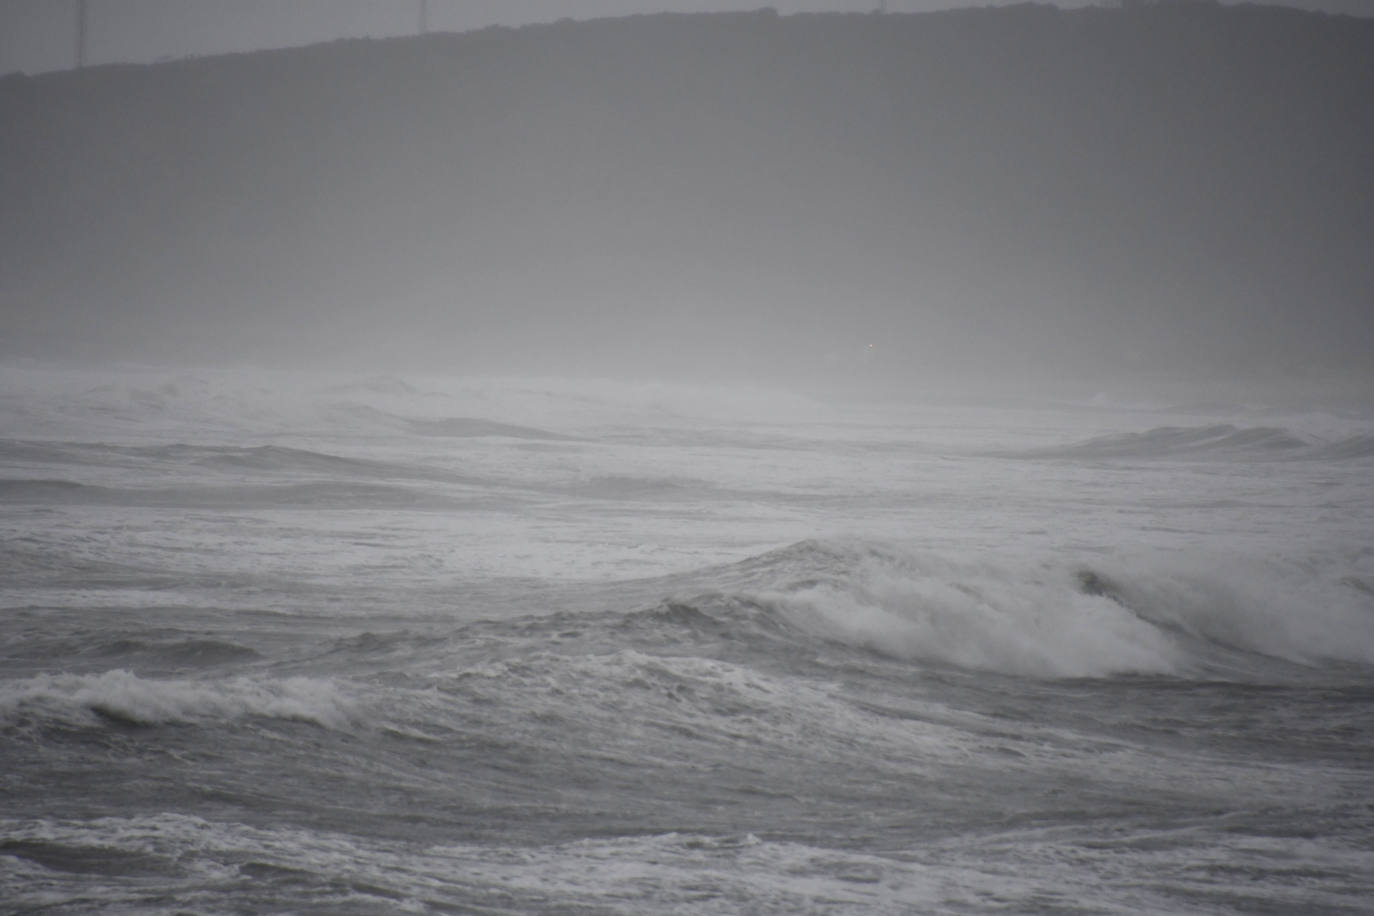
38 35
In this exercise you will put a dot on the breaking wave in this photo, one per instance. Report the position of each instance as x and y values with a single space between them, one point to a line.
1051 619
121 697
1213 441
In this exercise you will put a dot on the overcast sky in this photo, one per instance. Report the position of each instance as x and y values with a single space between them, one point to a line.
38 35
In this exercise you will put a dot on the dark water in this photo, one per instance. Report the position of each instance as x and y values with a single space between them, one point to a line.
495 673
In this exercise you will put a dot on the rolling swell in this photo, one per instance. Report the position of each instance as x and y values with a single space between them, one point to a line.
319 494
1352 448
21 491
272 460
172 652
282 460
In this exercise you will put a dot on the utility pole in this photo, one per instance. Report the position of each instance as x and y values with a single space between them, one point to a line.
80 33
424 17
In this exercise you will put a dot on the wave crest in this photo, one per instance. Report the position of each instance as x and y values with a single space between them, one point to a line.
983 617
1054 619
1219 440
119 696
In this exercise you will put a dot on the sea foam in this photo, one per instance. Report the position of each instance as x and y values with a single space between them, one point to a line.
122 697
985 618
1156 615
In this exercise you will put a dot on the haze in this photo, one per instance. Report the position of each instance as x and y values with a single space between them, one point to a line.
767 461
995 198
37 35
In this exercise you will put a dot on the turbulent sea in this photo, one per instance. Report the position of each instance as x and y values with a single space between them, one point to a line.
322 644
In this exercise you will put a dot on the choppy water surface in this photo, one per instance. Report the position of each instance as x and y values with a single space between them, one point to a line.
323 644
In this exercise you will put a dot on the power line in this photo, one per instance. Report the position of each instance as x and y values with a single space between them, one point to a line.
80 33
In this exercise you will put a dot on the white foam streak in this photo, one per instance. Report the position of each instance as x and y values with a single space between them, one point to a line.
1015 622
82 700
1144 615
672 872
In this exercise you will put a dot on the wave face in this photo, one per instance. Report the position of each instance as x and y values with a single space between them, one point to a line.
1052 619
276 643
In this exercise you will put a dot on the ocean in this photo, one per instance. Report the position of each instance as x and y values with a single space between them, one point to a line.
316 643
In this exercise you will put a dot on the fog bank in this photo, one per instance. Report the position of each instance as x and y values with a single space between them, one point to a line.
995 198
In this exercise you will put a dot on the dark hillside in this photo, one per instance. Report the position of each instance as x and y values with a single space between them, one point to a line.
1017 188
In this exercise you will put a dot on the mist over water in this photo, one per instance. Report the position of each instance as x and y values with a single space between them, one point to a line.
362 643
735 463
